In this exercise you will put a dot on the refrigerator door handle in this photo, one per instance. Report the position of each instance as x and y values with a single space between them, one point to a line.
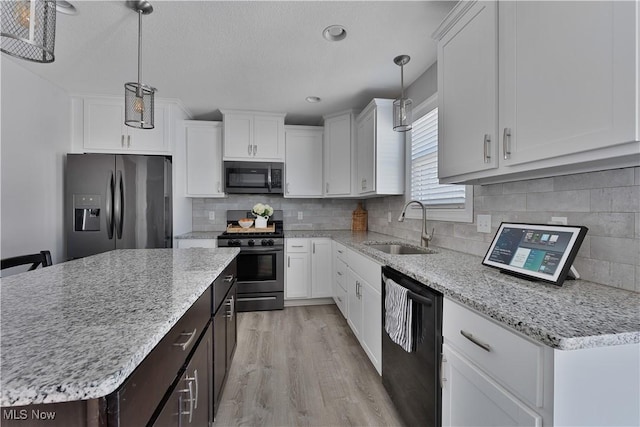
109 206
118 206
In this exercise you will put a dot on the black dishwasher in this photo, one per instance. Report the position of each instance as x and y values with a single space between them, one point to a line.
412 379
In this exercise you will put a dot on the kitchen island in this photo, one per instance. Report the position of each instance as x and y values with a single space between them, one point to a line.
76 331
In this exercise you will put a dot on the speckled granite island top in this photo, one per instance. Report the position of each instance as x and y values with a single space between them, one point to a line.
579 314
77 330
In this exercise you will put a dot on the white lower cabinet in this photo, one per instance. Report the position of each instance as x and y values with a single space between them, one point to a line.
494 376
340 277
197 243
471 398
364 304
307 264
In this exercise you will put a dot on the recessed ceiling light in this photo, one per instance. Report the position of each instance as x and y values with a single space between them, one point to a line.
312 99
334 33
65 7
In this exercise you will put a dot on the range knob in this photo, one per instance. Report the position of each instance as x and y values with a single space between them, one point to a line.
270 242
234 242
264 242
251 242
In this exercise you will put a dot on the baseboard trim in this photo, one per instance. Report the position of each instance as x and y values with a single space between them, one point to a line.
308 301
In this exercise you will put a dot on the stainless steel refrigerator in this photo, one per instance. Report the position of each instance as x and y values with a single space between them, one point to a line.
115 201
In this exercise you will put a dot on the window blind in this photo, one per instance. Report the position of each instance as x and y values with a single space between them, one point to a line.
424 166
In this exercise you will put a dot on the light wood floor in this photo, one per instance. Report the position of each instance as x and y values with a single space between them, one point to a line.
302 366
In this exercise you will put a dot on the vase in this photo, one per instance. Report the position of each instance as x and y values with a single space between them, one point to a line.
261 222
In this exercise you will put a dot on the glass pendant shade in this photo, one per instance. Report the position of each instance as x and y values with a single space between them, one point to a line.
402 117
139 104
28 29
402 107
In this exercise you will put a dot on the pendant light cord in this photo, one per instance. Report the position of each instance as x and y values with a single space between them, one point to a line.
402 82
139 90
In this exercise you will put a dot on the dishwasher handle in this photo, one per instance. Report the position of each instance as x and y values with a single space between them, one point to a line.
419 298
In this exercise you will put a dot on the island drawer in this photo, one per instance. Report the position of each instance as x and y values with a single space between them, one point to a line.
222 284
510 358
136 400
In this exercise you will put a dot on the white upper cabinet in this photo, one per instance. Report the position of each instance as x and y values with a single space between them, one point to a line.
253 136
339 148
467 88
565 79
103 128
380 151
303 161
203 141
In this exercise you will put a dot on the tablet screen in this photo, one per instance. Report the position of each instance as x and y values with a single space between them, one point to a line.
536 251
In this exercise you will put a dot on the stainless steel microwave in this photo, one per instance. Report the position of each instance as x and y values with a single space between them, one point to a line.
253 177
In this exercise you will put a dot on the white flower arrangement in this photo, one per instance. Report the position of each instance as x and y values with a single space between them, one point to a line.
262 210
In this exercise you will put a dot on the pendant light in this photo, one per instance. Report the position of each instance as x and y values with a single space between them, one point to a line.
28 29
138 97
402 106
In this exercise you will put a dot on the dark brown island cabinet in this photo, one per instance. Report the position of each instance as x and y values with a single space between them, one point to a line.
178 384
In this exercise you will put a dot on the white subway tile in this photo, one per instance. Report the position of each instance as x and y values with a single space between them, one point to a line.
559 201
616 249
621 199
529 186
590 180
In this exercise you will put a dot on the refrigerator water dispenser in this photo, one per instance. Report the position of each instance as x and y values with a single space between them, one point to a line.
86 212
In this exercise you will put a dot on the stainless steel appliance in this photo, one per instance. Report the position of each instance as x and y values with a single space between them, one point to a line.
260 262
412 379
117 201
253 177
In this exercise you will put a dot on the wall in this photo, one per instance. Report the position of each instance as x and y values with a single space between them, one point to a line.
318 214
607 202
35 136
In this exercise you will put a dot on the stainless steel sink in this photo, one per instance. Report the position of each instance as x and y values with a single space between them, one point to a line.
398 249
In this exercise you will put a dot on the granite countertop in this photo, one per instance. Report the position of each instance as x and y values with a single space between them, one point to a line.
78 329
577 315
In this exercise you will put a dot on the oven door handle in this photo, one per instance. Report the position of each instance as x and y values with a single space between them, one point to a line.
261 250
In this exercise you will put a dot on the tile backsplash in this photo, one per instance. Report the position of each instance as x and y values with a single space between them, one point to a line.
317 214
607 202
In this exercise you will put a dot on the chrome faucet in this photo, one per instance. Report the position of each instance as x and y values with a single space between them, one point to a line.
425 238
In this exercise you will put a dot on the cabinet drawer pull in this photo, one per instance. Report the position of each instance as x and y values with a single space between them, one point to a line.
339 299
288 262
194 378
228 278
128 140
506 143
326 188
297 246
122 141
314 248
339 251
249 149
339 274
467 335
187 343
255 149
487 148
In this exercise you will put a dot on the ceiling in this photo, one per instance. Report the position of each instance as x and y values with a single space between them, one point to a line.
251 55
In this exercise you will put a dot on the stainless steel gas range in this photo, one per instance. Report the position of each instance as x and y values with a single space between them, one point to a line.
260 262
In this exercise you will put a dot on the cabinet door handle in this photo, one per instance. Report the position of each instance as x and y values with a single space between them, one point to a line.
186 344
339 274
297 246
339 299
467 335
506 143
249 149
219 188
128 141
195 380
326 188
339 251
287 188
190 401
288 262
487 148
122 141
314 248
255 150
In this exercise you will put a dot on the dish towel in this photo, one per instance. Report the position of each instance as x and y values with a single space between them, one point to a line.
398 315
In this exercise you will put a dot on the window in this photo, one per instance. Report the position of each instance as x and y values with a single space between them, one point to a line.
445 202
